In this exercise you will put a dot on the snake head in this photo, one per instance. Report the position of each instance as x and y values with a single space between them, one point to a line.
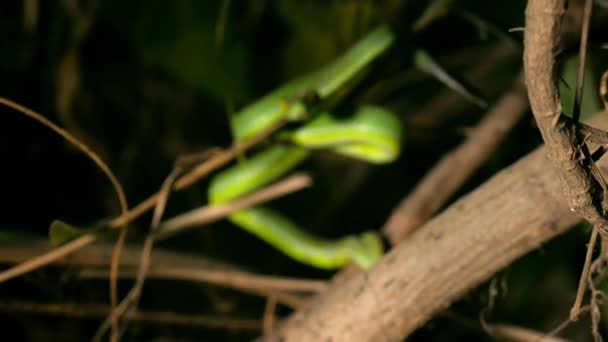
301 106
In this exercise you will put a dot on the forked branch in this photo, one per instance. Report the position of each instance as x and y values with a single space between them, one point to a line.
566 146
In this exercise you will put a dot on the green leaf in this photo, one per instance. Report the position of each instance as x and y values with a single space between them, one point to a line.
567 87
426 63
61 232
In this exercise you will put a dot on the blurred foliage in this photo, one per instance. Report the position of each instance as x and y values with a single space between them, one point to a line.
144 82
590 102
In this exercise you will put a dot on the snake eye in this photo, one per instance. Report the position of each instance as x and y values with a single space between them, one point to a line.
311 98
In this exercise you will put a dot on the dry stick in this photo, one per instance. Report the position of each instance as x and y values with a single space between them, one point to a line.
236 279
506 331
563 325
519 334
213 213
287 291
455 168
114 268
38 261
575 311
290 300
515 333
604 89
269 315
167 265
596 297
582 62
98 256
158 317
190 178
132 298
593 134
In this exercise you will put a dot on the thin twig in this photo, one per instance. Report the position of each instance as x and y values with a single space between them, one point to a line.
131 299
269 315
158 317
114 268
47 258
582 282
509 331
213 213
593 134
563 325
98 255
597 296
582 61
236 279
166 265
604 89
519 334
294 299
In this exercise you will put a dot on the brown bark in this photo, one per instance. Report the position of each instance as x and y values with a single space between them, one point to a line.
511 214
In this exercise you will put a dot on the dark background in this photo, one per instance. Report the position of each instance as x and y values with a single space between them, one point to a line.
152 81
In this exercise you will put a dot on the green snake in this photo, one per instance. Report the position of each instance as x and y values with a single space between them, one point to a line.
372 134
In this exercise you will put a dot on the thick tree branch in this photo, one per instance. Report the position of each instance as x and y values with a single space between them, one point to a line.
511 214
